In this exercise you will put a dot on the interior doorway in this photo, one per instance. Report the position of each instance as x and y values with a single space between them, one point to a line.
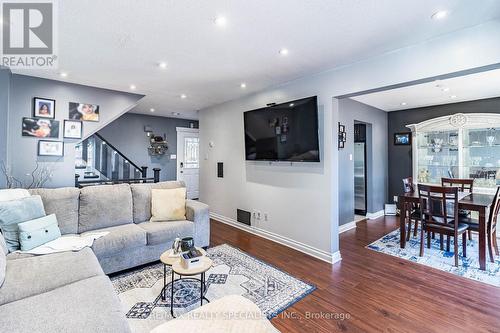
360 169
188 160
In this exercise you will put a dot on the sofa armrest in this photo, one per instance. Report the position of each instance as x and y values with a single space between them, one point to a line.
198 213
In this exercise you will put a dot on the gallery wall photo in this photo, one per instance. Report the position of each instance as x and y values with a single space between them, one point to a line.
40 128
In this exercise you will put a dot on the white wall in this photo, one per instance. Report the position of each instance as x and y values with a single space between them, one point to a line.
302 200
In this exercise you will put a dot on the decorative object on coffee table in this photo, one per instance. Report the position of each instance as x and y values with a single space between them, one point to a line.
187 244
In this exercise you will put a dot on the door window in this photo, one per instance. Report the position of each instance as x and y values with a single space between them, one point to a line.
191 153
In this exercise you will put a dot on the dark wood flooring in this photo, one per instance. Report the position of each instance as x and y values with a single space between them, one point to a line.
374 291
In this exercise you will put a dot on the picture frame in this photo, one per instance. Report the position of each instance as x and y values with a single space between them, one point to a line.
402 139
73 129
44 108
50 148
83 111
40 128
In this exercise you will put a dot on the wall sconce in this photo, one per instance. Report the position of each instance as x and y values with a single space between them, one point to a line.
342 136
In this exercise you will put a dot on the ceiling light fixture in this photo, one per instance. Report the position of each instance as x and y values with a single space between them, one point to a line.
291 105
283 52
176 113
152 110
439 15
453 96
162 65
403 103
183 96
132 87
220 21
243 85
63 74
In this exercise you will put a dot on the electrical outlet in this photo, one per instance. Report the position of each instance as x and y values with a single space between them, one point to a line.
259 215
266 217
395 198
254 214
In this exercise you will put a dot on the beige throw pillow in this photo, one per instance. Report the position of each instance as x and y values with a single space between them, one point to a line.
168 204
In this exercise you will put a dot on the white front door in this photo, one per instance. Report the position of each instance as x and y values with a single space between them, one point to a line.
188 160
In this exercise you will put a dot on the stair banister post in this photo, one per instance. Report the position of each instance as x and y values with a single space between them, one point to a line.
77 184
156 172
144 171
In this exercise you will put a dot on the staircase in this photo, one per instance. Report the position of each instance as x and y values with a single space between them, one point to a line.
98 162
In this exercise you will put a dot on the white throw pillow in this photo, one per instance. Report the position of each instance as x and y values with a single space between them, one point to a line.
14 194
168 204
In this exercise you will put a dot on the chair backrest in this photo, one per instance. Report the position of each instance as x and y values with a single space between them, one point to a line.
494 210
408 185
439 204
465 185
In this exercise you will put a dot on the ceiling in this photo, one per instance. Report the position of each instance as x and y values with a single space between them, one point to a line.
458 89
116 43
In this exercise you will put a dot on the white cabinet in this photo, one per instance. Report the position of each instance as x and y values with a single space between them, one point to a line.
458 146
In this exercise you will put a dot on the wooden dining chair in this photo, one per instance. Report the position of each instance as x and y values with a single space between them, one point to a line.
436 205
411 210
491 228
464 185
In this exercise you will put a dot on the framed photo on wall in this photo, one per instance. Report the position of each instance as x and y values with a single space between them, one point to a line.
50 148
83 111
40 128
44 108
402 139
73 129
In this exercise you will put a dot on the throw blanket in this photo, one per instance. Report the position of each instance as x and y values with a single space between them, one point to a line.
67 243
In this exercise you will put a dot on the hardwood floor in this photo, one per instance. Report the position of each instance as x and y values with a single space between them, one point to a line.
378 292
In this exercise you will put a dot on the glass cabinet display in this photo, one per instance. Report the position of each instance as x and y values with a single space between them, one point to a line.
458 146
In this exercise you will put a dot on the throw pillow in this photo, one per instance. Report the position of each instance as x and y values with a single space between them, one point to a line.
38 231
168 204
14 212
13 194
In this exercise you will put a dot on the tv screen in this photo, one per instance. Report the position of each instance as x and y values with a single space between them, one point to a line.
283 132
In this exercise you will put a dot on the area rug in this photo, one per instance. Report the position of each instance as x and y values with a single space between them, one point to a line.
233 273
442 260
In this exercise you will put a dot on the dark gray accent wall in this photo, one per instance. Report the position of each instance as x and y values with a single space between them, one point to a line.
127 135
22 151
377 155
400 157
5 76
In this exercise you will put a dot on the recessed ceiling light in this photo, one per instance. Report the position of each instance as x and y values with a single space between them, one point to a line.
162 65
243 85
183 96
453 96
445 89
439 15
152 110
132 87
403 103
63 74
283 52
176 113
291 105
220 21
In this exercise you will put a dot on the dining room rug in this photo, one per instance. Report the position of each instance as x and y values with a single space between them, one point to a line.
443 260
233 273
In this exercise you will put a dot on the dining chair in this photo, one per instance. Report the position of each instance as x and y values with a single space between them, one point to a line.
436 204
491 228
464 185
412 210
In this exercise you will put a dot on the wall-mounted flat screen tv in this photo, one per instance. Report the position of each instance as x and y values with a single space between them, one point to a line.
283 132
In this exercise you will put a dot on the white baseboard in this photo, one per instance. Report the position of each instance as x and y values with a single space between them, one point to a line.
331 258
347 226
375 215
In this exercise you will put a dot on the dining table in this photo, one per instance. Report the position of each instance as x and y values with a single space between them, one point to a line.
476 202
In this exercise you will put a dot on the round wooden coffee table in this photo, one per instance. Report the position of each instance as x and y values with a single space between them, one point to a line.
168 260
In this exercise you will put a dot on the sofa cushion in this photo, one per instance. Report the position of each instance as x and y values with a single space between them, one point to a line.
3 264
164 232
16 211
141 194
120 238
104 206
38 274
89 305
64 203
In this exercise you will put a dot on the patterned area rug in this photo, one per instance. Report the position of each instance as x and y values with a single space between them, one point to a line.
442 260
233 272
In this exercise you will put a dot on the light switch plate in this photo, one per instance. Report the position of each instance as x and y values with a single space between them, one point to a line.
173 156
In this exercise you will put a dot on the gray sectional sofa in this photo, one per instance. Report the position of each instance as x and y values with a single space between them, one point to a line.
69 291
